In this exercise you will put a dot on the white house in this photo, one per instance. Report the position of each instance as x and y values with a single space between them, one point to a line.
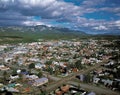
8 59
39 66
31 77
14 76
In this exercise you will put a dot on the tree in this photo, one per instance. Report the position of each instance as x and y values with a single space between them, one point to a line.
23 70
71 65
50 70
5 75
14 71
43 93
75 56
20 77
8 93
78 64
87 78
31 66
49 62
40 74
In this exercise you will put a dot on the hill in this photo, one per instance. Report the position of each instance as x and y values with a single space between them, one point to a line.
33 33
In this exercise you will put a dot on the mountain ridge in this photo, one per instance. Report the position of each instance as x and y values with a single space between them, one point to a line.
33 33
39 28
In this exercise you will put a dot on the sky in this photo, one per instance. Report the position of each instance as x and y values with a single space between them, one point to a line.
90 16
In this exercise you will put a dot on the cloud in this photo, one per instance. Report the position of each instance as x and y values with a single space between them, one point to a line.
11 23
10 15
43 8
32 23
57 13
89 3
46 9
117 24
101 27
111 9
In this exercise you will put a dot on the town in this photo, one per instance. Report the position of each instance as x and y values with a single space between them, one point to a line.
60 67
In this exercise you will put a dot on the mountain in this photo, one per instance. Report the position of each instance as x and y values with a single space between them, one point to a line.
39 28
33 33
16 34
112 33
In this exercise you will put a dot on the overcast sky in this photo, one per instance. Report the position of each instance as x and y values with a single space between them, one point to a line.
91 16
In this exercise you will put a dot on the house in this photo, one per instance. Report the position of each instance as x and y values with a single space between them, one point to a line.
11 89
74 70
15 76
65 88
96 80
40 81
1 85
107 82
18 71
34 59
20 61
91 93
2 47
39 66
8 59
58 92
62 64
4 68
81 77
31 77
1 58
14 85
24 72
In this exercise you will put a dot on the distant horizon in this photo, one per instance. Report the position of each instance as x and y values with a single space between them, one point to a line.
91 17
19 26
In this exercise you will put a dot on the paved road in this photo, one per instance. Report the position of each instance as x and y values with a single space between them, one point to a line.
51 77
96 89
